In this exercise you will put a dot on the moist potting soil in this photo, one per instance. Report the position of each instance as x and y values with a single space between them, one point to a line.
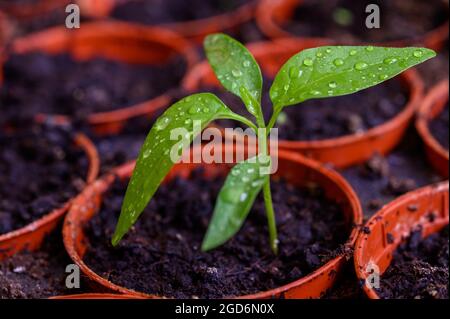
321 119
39 274
419 269
117 149
161 255
166 11
383 178
439 127
345 20
57 84
40 169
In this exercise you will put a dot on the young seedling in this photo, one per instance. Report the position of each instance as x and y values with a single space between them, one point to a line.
314 73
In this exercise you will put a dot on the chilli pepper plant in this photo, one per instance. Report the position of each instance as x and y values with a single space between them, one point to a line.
313 73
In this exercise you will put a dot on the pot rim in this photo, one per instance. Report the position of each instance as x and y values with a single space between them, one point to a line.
390 208
272 28
49 221
410 78
73 221
59 39
432 105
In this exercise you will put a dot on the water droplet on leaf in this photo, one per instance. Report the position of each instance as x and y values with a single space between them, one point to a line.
162 123
236 73
338 62
361 66
308 62
389 60
417 53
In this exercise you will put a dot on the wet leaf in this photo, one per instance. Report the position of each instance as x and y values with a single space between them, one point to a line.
236 69
333 71
171 133
236 198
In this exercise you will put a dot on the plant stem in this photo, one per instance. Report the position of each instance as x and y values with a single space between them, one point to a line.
270 213
270 217
273 119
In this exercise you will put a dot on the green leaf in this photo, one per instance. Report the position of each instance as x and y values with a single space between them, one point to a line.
243 184
185 120
236 69
333 71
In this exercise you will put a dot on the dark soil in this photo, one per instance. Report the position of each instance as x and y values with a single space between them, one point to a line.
332 117
384 178
161 255
166 11
118 149
39 274
346 286
439 127
40 169
345 20
57 84
419 269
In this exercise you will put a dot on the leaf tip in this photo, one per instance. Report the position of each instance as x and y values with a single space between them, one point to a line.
116 238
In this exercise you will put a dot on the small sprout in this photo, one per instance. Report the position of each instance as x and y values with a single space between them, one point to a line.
343 16
314 73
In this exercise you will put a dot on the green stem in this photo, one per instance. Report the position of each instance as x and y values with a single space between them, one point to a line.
273 119
270 213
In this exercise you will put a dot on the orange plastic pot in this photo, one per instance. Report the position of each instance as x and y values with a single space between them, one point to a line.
31 236
26 11
95 296
433 104
195 29
343 151
117 41
398 219
272 15
293 167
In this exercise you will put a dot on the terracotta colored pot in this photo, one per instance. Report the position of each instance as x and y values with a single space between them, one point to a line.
341 151
398 219
31 236
295 168
95 296
27 11
432 106
113 40
272 15
195 29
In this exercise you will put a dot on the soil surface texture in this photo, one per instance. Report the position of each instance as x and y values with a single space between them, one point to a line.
40 169
439 127
39 274
384 178
162 253
57 84
419 269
